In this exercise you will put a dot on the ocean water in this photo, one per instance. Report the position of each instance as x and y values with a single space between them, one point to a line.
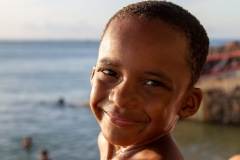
220 42
35 75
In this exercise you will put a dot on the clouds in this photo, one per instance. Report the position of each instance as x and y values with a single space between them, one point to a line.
81 19
58 30
46 20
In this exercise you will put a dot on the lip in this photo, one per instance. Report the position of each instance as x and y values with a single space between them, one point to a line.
121 121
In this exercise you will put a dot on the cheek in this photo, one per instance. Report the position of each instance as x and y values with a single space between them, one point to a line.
163 112
95 98
99 92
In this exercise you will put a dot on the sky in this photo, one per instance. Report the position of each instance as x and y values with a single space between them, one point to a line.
86 19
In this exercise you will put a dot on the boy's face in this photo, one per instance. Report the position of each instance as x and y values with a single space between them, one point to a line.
139 84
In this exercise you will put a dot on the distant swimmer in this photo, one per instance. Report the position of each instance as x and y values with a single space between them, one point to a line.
27 142
61 102
43 155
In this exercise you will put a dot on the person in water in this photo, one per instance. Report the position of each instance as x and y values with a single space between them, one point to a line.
27 142
43 155
150 57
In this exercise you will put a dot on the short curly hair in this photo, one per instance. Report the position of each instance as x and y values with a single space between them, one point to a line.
179 20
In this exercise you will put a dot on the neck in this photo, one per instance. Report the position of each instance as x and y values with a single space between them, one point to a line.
129 151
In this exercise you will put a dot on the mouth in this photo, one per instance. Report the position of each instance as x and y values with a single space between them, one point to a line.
121 121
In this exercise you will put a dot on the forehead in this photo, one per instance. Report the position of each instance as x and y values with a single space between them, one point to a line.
127 32
150 44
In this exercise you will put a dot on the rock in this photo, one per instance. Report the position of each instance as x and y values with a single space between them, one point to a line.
228 47
222 106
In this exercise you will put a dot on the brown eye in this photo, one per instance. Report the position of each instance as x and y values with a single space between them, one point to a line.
155 83
109 72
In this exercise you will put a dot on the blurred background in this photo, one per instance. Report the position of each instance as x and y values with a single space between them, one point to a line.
47 51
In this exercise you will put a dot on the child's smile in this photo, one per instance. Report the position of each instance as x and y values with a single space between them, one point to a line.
123 119
139 82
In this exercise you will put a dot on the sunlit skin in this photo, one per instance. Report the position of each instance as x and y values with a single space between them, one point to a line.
140 88
235 157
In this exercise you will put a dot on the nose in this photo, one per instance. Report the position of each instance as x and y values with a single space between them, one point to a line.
125 95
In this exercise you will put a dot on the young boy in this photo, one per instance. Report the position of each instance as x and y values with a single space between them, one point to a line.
150 57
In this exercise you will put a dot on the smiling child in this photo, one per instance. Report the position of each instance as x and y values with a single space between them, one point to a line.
150 57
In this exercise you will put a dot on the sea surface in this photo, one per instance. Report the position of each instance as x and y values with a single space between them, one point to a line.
34 75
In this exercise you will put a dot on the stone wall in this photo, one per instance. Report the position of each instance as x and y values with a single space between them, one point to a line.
228 47
222 106
221 91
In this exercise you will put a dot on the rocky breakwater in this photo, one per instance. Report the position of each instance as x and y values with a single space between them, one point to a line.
228 47
221 89
222 106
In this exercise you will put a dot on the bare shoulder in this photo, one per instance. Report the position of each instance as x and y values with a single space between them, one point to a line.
236 157
101 139
106 149
102 143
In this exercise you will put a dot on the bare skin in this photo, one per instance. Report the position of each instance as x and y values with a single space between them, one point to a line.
43 155
235 157
154 150
140 88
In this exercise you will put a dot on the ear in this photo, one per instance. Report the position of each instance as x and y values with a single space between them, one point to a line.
93 72
192 103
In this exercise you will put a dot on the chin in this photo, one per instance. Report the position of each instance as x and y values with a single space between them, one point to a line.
120 141
121 138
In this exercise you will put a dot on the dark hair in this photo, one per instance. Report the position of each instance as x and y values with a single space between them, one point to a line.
43 151
179 20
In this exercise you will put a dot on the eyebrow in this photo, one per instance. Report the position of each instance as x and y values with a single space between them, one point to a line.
159 74
109 62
